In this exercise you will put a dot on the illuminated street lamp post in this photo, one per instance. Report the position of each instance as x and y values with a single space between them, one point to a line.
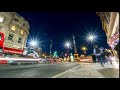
67 45
91 38
84 49
33 43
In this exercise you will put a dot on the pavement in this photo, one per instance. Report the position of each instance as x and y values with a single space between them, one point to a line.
91 70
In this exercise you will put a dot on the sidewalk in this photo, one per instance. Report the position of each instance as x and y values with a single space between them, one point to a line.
92 70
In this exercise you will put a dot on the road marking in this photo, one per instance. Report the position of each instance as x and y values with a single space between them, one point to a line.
65 72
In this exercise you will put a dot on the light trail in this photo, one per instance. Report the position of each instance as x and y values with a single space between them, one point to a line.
20 59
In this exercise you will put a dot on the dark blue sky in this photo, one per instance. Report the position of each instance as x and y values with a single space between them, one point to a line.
59 27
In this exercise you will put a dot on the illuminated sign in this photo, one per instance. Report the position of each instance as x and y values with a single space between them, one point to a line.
10 50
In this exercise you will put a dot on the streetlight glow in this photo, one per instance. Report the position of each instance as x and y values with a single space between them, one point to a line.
67 44
33 43
92 37
83 48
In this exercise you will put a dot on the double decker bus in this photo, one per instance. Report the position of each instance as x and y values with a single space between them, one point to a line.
9 52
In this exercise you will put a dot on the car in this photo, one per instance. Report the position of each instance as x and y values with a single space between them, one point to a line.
46 60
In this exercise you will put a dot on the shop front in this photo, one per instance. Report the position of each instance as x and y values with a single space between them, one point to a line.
114 44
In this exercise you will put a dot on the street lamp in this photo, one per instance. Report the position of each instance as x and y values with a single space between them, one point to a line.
91 38
84 49
67 44
33 43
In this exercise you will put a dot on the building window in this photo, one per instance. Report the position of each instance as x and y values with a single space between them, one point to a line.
13 28
21 32
17 20
20 40
23 24
10 37
1 19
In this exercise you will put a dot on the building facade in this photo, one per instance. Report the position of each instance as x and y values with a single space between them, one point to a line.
110 24
15 29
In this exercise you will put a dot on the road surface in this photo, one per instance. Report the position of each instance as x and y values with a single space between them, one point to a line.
35 71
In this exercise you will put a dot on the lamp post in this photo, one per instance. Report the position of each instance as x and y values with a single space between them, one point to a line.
67 45
50 48
33 43
84 49
91 38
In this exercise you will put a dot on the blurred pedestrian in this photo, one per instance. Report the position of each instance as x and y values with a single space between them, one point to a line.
94 58
98 52
103 55
108 56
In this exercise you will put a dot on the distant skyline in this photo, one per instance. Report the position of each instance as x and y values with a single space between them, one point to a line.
59 27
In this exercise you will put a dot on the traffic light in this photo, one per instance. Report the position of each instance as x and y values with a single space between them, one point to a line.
55 54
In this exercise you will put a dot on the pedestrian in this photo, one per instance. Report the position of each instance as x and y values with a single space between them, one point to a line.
94 58
103 55
98 52
108 56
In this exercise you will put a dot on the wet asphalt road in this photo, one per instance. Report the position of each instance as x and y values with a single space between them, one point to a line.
34 71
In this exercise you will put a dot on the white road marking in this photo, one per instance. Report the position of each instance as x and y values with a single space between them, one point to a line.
65 72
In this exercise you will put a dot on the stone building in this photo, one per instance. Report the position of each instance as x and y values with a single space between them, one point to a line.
15 29
110 24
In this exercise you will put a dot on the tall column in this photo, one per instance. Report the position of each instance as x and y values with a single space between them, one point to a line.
75 50
50 48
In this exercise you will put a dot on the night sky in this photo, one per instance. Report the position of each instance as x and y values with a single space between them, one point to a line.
60 27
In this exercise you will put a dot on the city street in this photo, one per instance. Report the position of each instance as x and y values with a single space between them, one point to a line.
34 71
61 70
59 45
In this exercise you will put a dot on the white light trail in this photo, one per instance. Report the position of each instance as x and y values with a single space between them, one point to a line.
20 59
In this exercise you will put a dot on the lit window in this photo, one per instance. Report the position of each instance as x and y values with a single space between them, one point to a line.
20 40
13 28
10 37
21 32
1 19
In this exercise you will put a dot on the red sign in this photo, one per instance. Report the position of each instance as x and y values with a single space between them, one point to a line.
1 39
12 50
